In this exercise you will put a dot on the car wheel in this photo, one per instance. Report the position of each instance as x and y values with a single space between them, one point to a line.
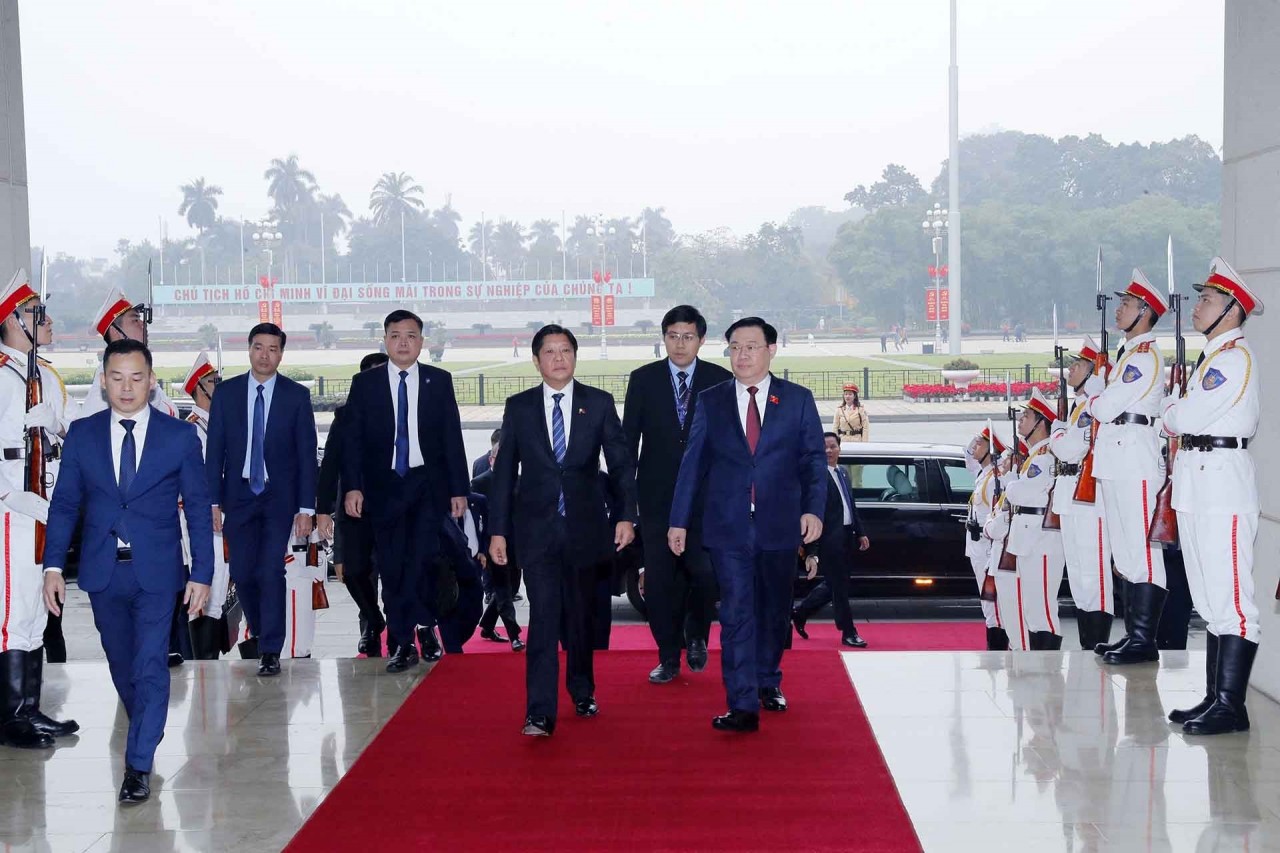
634 595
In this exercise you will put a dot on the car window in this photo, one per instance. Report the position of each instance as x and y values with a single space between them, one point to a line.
883 480
959 480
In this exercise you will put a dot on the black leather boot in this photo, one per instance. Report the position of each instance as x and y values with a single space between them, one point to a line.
1146 600
205 644
33 679
1035 641
997 640
1094 627
1210 682
1227 713
1050 642
15 729
1104 647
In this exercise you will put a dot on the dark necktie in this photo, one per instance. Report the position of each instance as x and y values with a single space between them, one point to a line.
844 489
1119 353
402 425
257 462
682 396
753 432
558 443
128 467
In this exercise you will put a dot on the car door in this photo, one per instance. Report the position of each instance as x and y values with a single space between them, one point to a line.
895 513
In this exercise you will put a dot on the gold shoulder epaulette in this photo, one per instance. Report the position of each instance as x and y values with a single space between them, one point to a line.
1145 346
4 359
1231 344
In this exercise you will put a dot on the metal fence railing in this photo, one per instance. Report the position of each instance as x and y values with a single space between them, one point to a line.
479 389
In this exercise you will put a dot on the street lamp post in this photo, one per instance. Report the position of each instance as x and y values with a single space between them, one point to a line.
601 233
936 224
267 237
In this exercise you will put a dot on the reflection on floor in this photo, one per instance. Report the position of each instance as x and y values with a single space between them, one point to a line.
1050 751
244 760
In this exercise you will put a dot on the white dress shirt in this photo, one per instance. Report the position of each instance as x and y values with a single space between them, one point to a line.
118 432
413 383
566 409
848 511
744 399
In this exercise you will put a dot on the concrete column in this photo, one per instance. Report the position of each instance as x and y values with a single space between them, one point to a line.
1251 243
15 218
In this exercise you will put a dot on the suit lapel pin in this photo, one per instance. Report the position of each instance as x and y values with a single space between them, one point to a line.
582 411
773 398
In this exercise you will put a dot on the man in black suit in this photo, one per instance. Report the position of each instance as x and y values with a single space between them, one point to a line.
261 464
547 491
352 537
404 468
484 463
842 534
503 580
679 592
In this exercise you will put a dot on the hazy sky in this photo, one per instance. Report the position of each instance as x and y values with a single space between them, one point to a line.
726 113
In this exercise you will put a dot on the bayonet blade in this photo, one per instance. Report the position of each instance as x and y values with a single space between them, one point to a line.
1169 263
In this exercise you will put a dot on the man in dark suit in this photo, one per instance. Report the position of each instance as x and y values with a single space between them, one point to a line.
352 537
842 535
484 463
128 468
404 468
679 592
261 464
754 457
547 491
503 580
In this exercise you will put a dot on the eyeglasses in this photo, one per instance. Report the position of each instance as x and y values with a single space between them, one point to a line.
685 338
749 349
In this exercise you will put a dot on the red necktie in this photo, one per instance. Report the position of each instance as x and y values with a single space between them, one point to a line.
753 432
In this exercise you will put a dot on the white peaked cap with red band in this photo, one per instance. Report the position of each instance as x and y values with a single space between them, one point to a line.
198 371
1223 277
1141 288
17 293
993 440
1041 406
112 309
1088 349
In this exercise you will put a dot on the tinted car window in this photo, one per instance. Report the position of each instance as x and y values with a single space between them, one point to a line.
959 480
884 480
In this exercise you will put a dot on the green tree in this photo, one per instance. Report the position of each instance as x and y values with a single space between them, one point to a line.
373 327
658 232
289 183
200 204
506 247
324 334
209 335
394 194
896 188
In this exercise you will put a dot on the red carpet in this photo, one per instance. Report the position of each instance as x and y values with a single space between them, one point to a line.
823 637
648 773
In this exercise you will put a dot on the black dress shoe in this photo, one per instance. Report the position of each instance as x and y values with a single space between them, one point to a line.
402 658
697 655
175 659
736 721
664 672
136 787
586 707
536 725
18 732
492 636
799 621
771 699
517 644
269 665
430 643
853 640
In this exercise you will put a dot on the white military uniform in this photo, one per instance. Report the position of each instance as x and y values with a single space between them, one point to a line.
1127 461
1009 609
96 400
1039 551
300 619
979 551
1085 542
221 570
1214 491
23 615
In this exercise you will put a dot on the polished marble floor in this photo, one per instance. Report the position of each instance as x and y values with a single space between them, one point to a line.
244 760
1046 751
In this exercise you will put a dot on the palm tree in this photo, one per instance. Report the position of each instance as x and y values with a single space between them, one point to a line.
478 246
335 212
289 183
446 220
393 194
658 231
200 204
507 245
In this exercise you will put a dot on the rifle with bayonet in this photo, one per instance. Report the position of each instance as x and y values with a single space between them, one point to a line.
35 474
1164 521
1053 521
988 590
1087 485
1008 562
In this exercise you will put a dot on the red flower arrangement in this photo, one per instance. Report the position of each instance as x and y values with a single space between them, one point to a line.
1019 390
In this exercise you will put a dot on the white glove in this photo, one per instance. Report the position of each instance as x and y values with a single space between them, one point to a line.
42 415
29 504
1094 385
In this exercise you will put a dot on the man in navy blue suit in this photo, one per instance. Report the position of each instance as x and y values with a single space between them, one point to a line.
755 454
261 465
127 469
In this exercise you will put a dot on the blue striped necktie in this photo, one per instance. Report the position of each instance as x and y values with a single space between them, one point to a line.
557 441
682 396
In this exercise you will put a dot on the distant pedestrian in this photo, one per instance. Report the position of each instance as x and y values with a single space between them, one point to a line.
884 339
515 347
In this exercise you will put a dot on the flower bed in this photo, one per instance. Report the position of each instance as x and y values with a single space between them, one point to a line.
932 393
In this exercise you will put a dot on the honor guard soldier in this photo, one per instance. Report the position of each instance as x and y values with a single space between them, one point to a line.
1009 604
1084 535
207 632
980 457
1127 465
1039 551
22 512
118 318
1216 497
